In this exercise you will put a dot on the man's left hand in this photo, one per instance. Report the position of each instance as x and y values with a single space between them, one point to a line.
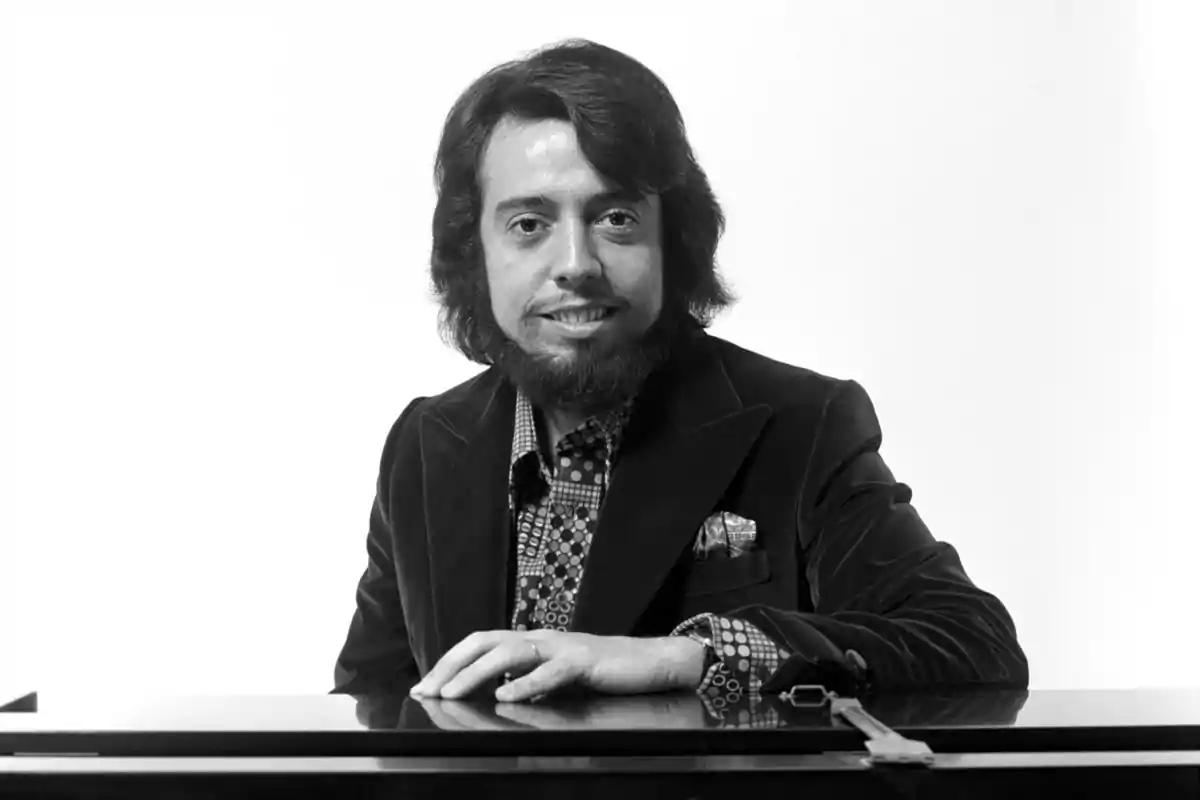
551 660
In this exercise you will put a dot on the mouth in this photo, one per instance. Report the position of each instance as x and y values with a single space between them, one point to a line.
580 322
580 316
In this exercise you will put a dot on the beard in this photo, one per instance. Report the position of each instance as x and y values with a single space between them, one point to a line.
598 378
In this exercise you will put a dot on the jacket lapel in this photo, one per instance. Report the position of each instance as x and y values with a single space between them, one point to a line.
687 438
465 448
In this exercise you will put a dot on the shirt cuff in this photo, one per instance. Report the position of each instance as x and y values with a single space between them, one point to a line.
745 657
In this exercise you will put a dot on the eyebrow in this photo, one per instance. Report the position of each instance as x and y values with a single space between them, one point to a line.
541 201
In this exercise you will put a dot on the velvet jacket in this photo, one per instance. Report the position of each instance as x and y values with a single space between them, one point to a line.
843 563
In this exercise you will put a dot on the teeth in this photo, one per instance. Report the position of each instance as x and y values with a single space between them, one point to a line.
579 317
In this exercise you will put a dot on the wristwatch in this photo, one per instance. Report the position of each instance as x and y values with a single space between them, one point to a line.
710 652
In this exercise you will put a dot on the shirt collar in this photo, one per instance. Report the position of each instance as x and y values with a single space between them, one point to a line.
609 425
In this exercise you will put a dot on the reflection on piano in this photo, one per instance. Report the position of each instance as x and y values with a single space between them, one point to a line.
967 744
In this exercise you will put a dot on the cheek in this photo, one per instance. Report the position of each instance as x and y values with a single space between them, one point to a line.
510 294
654 289
642 284
501 291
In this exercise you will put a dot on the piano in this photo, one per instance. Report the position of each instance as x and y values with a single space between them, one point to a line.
976 744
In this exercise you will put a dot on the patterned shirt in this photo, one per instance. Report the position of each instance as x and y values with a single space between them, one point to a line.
555 511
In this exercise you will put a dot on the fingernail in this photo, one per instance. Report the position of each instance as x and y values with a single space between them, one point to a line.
505 693
418 689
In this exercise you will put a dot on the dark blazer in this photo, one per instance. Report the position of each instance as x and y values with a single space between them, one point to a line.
844 562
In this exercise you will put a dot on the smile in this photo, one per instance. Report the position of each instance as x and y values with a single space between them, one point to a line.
580 316
579 322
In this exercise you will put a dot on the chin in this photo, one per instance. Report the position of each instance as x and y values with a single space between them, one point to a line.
556 356
572 349
592 372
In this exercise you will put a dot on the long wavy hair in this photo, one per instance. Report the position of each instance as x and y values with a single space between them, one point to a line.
631 131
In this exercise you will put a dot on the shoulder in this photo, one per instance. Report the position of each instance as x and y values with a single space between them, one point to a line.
760 379
464 401
475 390
801 398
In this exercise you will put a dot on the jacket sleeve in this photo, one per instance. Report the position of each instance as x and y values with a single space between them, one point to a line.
893 607
376 658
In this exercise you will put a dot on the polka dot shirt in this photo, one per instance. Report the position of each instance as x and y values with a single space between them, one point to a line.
745 658
556 509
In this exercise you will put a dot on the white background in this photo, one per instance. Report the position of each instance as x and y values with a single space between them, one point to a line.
214 296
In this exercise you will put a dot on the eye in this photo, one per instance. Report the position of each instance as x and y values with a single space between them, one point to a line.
621 219
527 226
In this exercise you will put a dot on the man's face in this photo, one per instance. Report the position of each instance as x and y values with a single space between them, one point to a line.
574 269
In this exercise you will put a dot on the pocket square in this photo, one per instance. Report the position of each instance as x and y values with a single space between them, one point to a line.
724 535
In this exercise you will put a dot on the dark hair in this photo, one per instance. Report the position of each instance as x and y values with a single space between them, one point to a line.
629 128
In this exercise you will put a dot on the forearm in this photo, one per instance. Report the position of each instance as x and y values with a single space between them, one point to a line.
926 643
375 657
910 648
918 621
889 605
682 662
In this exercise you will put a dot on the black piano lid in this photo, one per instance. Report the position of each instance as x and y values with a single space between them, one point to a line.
667 724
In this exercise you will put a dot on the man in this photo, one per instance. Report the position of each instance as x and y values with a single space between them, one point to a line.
620 501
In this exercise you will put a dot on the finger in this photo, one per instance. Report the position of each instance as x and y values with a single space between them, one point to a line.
554 674
465 652
513 656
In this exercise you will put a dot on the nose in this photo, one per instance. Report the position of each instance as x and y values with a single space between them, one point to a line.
574 261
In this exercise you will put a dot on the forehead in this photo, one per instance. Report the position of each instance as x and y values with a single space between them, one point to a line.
537 158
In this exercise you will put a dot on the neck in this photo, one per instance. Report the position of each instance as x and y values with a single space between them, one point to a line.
559 422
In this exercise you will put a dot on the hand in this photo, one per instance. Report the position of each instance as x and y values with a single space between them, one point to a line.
551 660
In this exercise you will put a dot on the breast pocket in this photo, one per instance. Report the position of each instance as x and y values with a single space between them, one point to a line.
720 575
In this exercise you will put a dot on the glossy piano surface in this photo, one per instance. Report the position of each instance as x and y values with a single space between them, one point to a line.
662 724
986 744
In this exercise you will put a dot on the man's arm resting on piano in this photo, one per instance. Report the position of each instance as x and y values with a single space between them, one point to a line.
376 657
893 607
